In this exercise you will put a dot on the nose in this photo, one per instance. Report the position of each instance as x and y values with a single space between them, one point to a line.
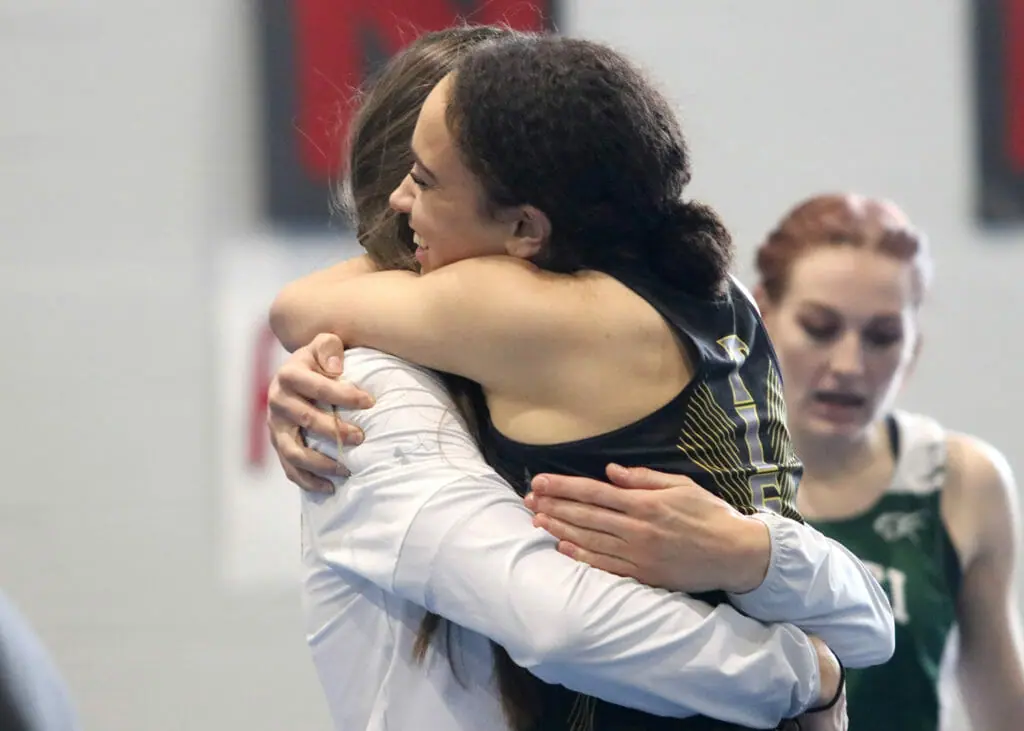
848 356
402 197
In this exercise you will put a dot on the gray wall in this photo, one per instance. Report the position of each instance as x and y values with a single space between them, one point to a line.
127 139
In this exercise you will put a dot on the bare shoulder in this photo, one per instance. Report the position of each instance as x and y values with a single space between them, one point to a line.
980 469
584 303
983 490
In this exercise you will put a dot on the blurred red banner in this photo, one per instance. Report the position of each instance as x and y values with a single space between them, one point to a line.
316 54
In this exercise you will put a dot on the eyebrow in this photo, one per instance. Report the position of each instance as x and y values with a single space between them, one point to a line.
823 309
817 307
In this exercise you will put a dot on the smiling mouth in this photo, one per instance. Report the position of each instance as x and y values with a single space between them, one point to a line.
405 232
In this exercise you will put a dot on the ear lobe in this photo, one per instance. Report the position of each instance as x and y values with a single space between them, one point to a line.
531 231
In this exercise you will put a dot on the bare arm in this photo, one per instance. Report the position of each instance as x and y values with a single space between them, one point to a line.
991 663
485 319
298 310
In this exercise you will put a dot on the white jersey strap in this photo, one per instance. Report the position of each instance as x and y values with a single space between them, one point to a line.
923 459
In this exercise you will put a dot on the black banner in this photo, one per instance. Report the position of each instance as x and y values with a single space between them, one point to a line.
999 85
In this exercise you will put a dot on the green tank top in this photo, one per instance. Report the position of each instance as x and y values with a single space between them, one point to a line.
903 542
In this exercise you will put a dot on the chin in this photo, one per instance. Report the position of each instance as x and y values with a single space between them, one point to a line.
427 265
823 428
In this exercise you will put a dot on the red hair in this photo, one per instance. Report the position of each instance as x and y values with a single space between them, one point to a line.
842 220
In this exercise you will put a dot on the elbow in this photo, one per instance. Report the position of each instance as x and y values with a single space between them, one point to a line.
885 639
286 323
545 645
877 641
880 641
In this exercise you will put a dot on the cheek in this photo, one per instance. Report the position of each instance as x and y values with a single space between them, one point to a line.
425 211
455 230
798 357
456 245
886 370
459 245
475 237
800 370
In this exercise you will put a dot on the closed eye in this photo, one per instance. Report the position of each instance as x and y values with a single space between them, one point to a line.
820 333
418 181
883 339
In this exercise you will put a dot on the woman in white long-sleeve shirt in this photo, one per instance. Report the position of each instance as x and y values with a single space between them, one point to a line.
424 523
858 581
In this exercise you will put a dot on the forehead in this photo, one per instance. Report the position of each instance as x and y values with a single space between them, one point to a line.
853 281
431 136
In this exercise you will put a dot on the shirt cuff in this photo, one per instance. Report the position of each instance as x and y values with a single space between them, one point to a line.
782 561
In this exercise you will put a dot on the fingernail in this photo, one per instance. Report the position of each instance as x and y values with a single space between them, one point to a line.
530 501
343 471
334 364
368 401
356 438
540 482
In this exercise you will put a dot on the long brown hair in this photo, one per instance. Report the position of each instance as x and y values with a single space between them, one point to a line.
379 157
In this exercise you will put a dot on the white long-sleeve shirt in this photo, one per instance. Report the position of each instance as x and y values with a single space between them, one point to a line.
424 522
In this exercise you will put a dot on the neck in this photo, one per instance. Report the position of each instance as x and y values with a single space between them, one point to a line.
833 460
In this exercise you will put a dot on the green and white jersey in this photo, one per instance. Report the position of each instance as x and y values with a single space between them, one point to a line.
903 541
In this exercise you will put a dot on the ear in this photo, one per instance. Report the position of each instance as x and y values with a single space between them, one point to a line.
531 229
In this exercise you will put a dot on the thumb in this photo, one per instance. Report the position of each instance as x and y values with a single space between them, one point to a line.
329 353
641 478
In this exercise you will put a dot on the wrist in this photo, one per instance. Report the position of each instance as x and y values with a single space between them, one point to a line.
750 551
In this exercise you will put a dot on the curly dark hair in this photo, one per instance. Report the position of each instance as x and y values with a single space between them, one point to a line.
573 128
